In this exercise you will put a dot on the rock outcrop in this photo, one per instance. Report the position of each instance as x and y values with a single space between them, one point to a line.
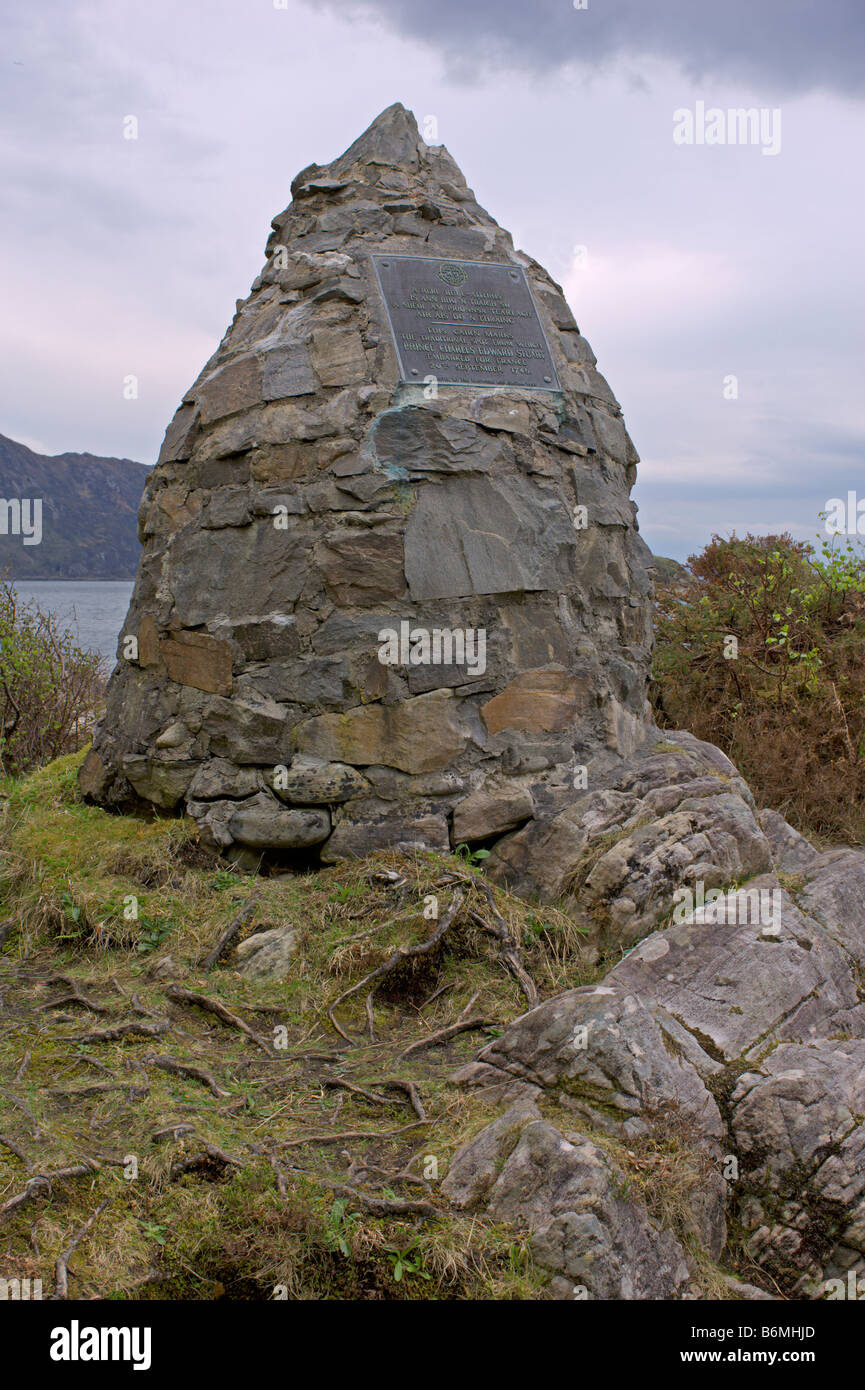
741 1021
306 501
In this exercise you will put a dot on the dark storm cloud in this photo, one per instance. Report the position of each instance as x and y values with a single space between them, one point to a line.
793 45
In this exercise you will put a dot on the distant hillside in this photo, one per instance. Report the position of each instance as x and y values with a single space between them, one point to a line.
666 570
89 508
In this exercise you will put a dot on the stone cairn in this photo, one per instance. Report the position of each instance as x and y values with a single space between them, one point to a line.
316 517
307 502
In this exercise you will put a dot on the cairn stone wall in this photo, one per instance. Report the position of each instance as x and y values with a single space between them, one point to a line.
304 501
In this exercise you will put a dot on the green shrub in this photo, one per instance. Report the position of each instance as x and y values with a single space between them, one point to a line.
786 699
49 687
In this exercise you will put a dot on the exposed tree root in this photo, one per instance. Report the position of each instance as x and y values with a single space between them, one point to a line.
350 1134
18 1152
171 1132
212 1155
74 996
36 1128
443 1035
184 1069
61 1272
99 1088
232 930
190 999
411 1091
336 1083
280 1177
385 1206
398 957
509 952
359 1171
45 1181
125 1030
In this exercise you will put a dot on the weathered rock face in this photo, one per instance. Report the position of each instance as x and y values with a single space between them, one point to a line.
305 501
742 1019
526 1172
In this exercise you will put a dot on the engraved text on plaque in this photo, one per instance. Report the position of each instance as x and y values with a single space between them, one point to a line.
465 323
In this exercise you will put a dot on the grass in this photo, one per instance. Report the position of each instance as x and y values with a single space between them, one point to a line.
114 908
231 1182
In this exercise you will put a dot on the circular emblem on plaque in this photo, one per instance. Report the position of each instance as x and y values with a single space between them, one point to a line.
452 274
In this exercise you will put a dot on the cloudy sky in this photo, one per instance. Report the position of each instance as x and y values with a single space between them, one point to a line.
686 264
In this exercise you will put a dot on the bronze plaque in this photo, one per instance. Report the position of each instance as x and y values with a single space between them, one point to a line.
466 323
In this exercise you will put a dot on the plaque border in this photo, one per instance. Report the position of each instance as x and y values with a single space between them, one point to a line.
376 256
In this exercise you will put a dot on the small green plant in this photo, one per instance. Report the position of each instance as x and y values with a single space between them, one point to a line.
71 915
472 857
226 878
517 1257
533 930
153 1232
407 1261
153 934
344 892
339 1227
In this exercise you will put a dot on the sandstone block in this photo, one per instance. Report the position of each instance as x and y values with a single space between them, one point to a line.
544 701
286 372
219 778
419 735
194 658
338 356
268 955
230 389
362 567
472 536
490 811
362 830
